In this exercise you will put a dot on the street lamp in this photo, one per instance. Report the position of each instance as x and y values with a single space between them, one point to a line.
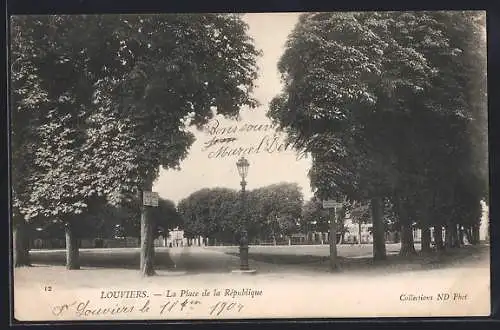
242 166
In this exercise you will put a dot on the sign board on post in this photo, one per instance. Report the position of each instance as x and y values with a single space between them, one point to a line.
150 198
331 204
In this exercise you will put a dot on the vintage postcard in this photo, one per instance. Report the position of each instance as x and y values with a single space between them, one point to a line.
244 166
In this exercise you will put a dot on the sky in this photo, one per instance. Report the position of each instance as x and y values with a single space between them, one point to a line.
207 166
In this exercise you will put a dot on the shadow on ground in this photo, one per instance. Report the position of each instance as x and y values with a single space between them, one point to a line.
116 259
468 255
186 260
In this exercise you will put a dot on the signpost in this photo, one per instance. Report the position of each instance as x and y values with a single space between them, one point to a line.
150 198
332 204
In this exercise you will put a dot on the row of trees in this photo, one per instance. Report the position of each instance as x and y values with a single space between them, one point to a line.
109 222
220 213
392 108
269 214
100 102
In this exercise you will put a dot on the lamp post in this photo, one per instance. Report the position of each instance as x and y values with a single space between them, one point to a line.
242 166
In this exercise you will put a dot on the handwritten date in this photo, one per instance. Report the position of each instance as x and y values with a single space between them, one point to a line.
224 306
179 305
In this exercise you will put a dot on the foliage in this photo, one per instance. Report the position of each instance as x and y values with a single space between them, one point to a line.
106 120
361 213
222 213
208 212
276 209
166 217
60 63
108 99
381 100
184 69
314 216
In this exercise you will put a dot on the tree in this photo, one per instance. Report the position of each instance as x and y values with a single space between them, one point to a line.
119 103
26 95
55 57
212 213
379 102
165 216
185 69
439 118
218 213
276 209
314 216
360 214
340 72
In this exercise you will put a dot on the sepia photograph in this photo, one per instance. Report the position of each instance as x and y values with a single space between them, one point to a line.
215 166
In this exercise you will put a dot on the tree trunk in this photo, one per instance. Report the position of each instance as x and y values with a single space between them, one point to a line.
72 246
407 246
21 244
438 237
147 239
333 241
147 243
455 240
397 237
452 240
448 235
341 225
461 241
468 234
359 231
425 229
379 251
475 234
426 239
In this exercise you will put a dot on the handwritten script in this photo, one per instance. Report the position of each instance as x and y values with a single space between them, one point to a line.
226 302
223 141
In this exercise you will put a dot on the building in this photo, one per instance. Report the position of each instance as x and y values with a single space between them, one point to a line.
175 238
